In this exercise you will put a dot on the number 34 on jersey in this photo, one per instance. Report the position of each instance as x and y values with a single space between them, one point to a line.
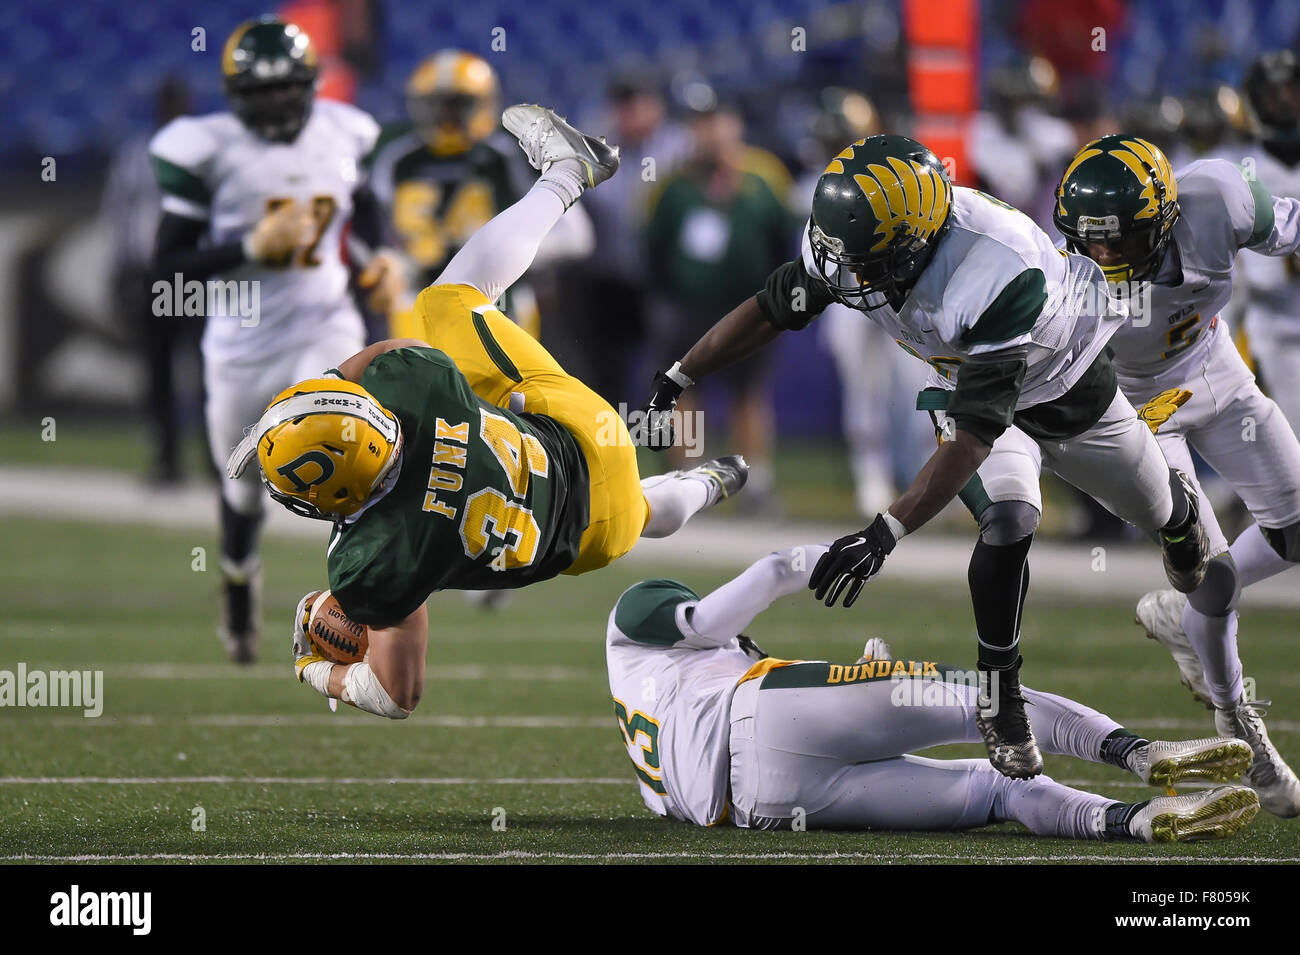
489 513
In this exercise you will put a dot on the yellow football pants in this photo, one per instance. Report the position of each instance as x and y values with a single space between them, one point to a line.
498 357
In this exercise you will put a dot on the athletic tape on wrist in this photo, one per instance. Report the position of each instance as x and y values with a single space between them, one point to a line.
363 690
679 377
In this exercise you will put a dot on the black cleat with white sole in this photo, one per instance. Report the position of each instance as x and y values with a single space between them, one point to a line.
1010 742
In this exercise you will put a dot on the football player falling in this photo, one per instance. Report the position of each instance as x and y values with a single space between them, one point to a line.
1173 241
1015 332
729 733
474 464
254 203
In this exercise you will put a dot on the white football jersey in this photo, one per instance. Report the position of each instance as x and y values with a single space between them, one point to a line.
1218 216
213 168
672 691
1273 302
996 281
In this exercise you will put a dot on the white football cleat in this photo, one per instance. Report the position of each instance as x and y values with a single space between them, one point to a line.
1212 814
1160 613
875 649
546 138
1219 759
1269 775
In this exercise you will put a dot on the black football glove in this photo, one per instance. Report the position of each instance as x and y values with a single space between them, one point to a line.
657 433
851 562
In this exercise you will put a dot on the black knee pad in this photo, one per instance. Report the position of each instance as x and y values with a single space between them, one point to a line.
1005 522
1218 593
1284 540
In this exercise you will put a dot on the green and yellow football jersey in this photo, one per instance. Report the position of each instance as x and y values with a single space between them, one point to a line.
486 499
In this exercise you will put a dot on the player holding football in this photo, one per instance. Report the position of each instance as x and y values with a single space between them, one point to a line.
1015 332
719 731
259 196
474 464
1173 240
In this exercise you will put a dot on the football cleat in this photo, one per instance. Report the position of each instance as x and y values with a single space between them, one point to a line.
1008 738
1160 613
546 138
875 649
240 627
1186 556
1269 775
1212 814
726 476
1219 759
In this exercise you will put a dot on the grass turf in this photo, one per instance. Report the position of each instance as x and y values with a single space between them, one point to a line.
516 721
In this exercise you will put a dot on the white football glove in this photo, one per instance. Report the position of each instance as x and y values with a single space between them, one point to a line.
304 651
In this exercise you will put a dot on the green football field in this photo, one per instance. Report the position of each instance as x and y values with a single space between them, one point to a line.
516 724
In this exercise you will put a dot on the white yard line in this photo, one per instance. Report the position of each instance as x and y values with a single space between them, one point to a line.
522 855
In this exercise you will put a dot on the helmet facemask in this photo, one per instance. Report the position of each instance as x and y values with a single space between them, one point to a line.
851 279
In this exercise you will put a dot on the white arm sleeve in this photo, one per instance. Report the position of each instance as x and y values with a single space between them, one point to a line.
725 613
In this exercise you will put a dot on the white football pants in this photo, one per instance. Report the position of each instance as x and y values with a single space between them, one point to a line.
834 757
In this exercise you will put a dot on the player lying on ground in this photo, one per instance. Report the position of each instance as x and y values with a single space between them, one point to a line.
475 464
716 730
1015 332
1172 241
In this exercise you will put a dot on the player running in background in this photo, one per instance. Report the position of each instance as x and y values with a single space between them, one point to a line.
719 731
255 201
1172 242
1015 333
448 170
475 464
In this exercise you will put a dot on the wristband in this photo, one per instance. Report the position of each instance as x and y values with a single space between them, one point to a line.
678 377
895 525
317 676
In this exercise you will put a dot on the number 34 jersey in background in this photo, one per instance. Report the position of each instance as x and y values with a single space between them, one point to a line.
214 169
486 499
1170 337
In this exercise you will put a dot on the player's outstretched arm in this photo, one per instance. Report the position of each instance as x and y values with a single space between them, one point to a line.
352 368
741 331
856 558
731 608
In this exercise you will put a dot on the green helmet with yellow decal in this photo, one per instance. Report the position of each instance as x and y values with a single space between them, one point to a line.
880 208
1117 204
269 71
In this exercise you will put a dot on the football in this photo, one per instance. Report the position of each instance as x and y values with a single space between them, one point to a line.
336 637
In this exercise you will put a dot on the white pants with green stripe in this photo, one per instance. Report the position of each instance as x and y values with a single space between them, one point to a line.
1117 462
825 756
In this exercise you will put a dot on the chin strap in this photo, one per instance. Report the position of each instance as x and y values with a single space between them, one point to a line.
308 403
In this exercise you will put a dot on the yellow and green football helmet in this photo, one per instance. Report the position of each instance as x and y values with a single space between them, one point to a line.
326 448
1119 191
453 99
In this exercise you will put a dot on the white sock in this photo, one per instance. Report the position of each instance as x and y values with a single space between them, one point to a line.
1046 808
1215 641
1255 558
674 499
498 254
1066 727
566 178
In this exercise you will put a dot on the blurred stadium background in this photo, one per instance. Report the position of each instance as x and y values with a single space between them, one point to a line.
1005 88
108 515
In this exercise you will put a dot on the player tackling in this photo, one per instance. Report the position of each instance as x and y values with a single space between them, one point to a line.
474 464
719 731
